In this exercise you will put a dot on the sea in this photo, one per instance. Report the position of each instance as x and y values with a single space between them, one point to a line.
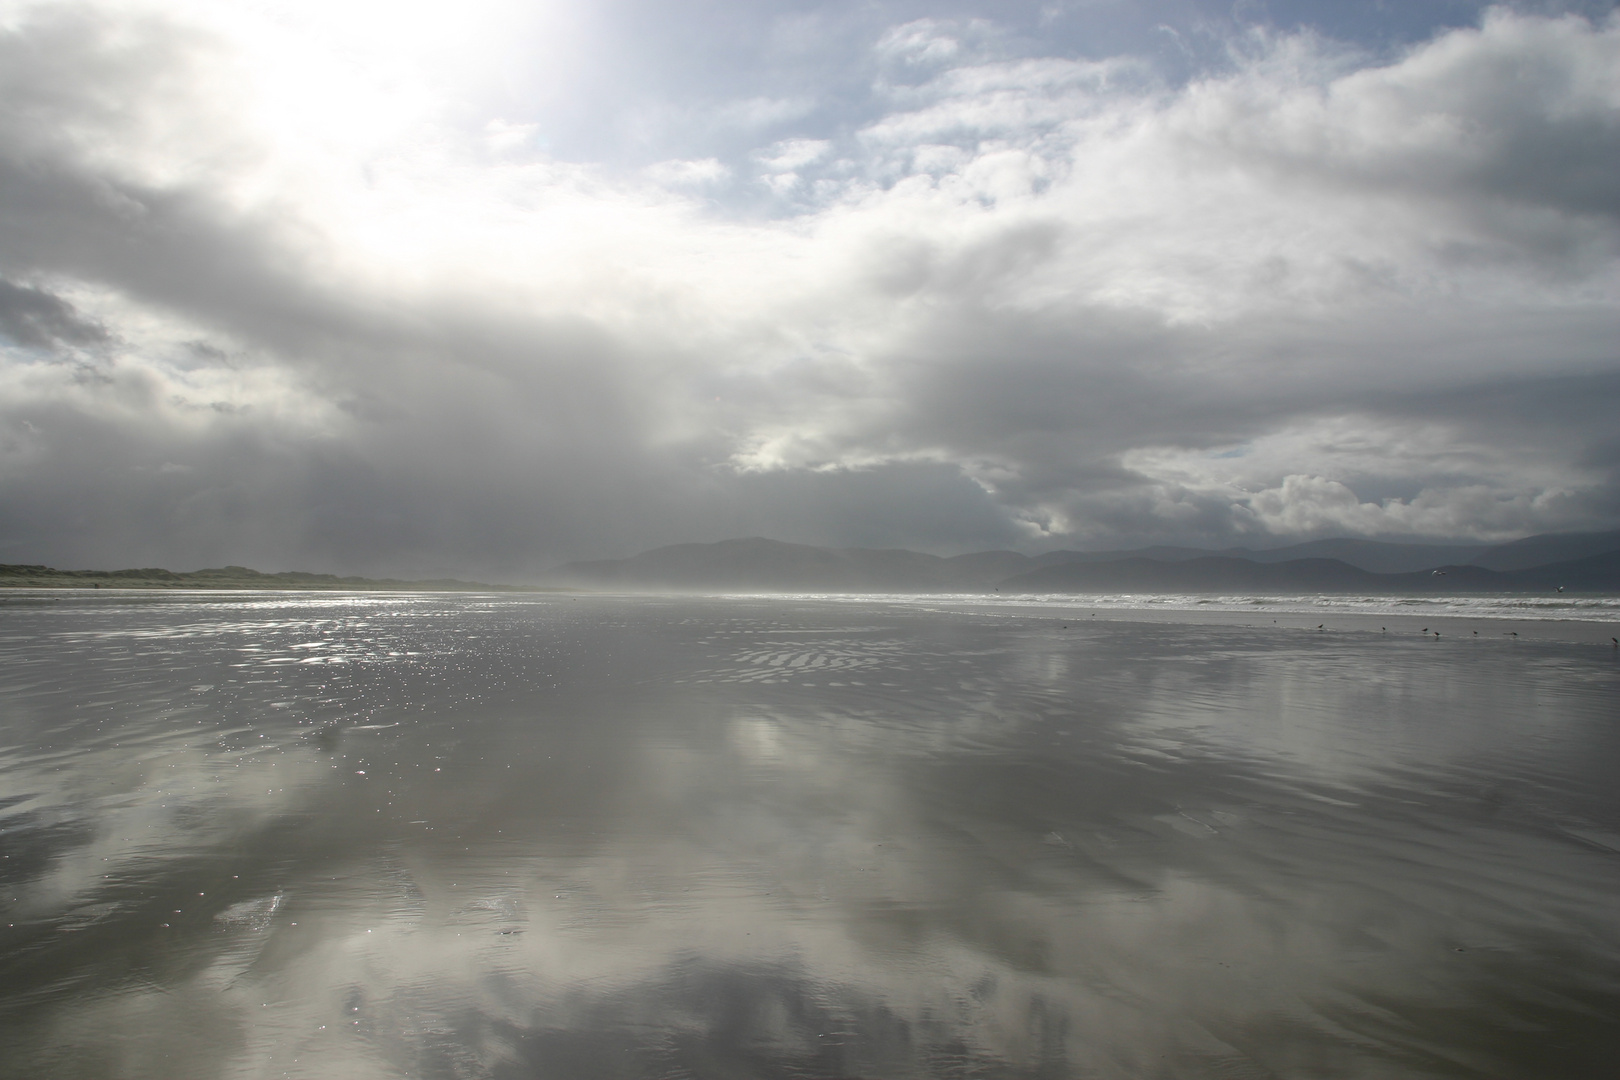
436 835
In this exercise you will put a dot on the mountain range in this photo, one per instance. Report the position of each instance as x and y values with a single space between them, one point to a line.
1578 562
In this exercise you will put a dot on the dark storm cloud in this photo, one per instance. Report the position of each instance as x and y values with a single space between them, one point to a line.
1027 301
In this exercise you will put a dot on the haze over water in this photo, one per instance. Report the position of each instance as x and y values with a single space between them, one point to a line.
466 836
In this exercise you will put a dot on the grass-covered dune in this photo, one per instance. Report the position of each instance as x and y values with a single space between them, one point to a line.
226 577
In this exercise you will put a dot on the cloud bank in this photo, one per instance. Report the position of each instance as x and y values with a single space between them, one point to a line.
277 290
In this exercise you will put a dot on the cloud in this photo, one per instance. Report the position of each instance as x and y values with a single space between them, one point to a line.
1022 300
688 173
1315 505
504 137
31 316
762 112
922 41
795 153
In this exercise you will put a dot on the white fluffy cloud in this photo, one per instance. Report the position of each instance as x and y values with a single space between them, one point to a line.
328 314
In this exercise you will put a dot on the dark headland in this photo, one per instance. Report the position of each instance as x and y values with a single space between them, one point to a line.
230 577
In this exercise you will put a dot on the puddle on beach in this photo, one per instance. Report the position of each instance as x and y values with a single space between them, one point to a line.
453 836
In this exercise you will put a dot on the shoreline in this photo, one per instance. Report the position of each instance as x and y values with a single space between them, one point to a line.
1452 627
1601 629
263 590
240 587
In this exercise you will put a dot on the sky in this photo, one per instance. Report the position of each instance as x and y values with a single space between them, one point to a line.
420 288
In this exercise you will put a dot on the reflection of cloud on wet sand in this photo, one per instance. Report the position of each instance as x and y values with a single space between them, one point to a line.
1025 857
1110 980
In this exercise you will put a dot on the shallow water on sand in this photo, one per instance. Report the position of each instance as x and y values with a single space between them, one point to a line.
456 836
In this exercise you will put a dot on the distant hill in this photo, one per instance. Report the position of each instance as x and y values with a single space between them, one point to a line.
226 577
1542 550
1584 562
1210 573
1597 573
1378 556
761 565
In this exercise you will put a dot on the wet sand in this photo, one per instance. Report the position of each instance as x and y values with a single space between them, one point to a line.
623 837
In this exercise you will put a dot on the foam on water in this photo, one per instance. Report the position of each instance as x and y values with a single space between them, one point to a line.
1585 608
